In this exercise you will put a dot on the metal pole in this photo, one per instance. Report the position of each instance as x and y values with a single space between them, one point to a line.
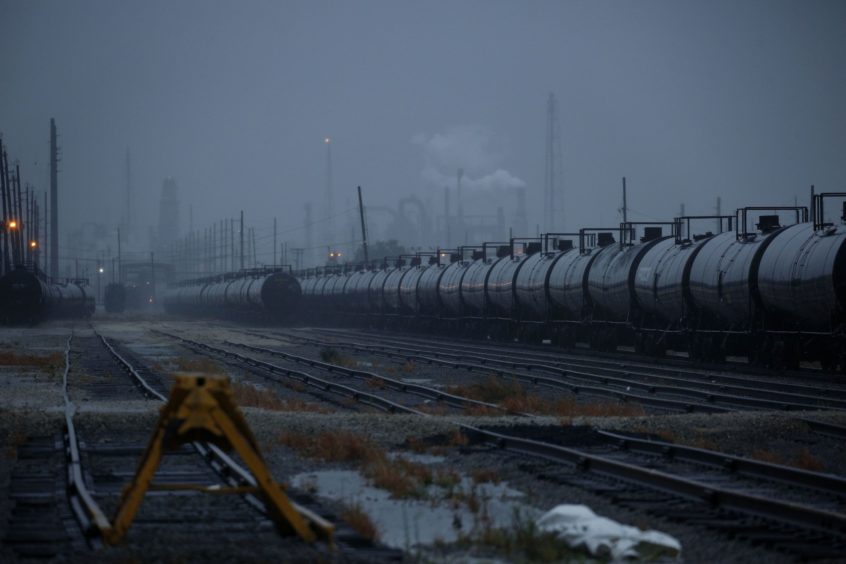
120 268
274 241
625 203
153 277
242 239
363 226
54 200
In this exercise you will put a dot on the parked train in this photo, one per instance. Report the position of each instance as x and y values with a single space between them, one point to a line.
28 296
773 293
268 293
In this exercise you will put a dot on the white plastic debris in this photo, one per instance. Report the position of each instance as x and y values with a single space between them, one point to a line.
580 527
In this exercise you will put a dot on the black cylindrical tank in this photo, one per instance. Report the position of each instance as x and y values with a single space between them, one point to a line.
501 285
449 289
610 279
473 292
723 276
662 281
802 273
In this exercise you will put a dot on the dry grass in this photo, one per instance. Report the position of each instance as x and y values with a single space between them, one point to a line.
201 365
401 477
375 383
251 396
807 461
408 367
360 522
522 542
512 396
483 475
767 456
332 356
433 408
52 360
15 439
481 411
457 438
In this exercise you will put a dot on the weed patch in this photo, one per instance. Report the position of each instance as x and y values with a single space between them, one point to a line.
251 396
360 522
53 360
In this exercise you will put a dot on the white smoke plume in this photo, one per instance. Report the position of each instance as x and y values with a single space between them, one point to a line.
472 148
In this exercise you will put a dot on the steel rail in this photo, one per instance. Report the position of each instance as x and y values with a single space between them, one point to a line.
723 381
735 464
86 510
534 379
313 381
829 522
222 463
392 383
567 359
708 396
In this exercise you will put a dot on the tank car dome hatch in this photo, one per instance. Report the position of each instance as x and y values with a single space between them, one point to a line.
604 238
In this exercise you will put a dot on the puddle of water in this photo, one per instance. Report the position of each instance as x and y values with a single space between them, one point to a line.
406 523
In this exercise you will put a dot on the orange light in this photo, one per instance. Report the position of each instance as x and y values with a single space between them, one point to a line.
33 244
13 224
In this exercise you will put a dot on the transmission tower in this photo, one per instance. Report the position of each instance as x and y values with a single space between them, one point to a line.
553 217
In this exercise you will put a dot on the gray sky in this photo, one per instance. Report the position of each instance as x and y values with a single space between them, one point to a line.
689 100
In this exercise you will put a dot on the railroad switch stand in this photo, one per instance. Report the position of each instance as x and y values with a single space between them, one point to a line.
201 409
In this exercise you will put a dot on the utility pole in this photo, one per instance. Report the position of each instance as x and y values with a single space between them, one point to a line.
309 234
625 203
242 240
719 213
274 241
363 226
120 274
54 201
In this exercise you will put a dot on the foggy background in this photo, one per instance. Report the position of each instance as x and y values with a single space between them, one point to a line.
688 100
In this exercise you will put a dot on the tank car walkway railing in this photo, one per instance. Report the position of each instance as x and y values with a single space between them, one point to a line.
707 494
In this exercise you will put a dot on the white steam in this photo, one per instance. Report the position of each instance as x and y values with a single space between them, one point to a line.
467 147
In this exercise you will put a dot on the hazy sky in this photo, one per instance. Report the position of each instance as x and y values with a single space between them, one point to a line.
689 100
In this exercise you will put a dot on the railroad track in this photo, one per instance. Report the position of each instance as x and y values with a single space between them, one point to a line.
99 464
678 391
796 510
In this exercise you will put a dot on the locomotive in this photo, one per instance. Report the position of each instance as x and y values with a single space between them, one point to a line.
773 293
272 294
28 296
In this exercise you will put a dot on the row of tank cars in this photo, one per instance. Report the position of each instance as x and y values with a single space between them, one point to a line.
773 293
269 294
28 296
